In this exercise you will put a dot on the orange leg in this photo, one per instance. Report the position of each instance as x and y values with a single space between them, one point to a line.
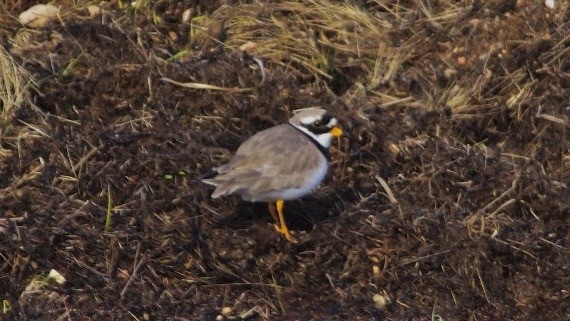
282 228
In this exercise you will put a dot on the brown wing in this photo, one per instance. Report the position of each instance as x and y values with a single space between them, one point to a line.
277 158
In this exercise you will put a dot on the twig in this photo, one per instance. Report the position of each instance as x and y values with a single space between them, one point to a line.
21 180
505 204
483 286
402 304
423 258
242 284
389 193
553 119
83 159
132 278
109 211
67 308
279 296
503 195
197 85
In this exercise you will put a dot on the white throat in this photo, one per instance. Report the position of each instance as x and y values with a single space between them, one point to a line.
323 139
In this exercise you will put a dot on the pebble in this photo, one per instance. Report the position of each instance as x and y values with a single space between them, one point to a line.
37 16
379 301
186 15
93 10
375 269
461 61
449 73
226 310
550 3
248 47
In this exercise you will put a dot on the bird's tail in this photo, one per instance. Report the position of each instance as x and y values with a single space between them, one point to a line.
211 173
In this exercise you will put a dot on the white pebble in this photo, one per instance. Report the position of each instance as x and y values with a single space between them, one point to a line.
550 3
37 16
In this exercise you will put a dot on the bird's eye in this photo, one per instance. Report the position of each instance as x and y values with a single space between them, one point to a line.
318 123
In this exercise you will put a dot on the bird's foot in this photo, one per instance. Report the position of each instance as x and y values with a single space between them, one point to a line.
285 232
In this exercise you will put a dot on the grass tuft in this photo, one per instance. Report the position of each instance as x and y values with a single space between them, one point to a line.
15 85
311 39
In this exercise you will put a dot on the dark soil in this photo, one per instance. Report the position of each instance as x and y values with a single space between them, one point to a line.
479 229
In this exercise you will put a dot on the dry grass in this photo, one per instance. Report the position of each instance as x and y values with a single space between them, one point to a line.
15 86
312 38
380 49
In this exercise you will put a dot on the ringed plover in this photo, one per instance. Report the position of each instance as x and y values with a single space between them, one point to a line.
281 163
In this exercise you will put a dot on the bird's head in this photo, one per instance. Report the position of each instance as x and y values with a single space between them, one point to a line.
317 123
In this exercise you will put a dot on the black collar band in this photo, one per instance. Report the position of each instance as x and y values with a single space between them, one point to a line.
324 150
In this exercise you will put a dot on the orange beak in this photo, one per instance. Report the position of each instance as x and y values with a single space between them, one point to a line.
336 132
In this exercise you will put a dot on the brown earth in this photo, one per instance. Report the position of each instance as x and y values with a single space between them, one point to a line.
472 223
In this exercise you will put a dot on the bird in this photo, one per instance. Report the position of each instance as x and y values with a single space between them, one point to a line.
278 164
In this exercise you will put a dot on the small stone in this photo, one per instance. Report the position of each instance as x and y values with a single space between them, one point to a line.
375 269
186 15
37 16
379 301
56 276
462 61
474 22
248 47
449 73
93 10
394 149
226 310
